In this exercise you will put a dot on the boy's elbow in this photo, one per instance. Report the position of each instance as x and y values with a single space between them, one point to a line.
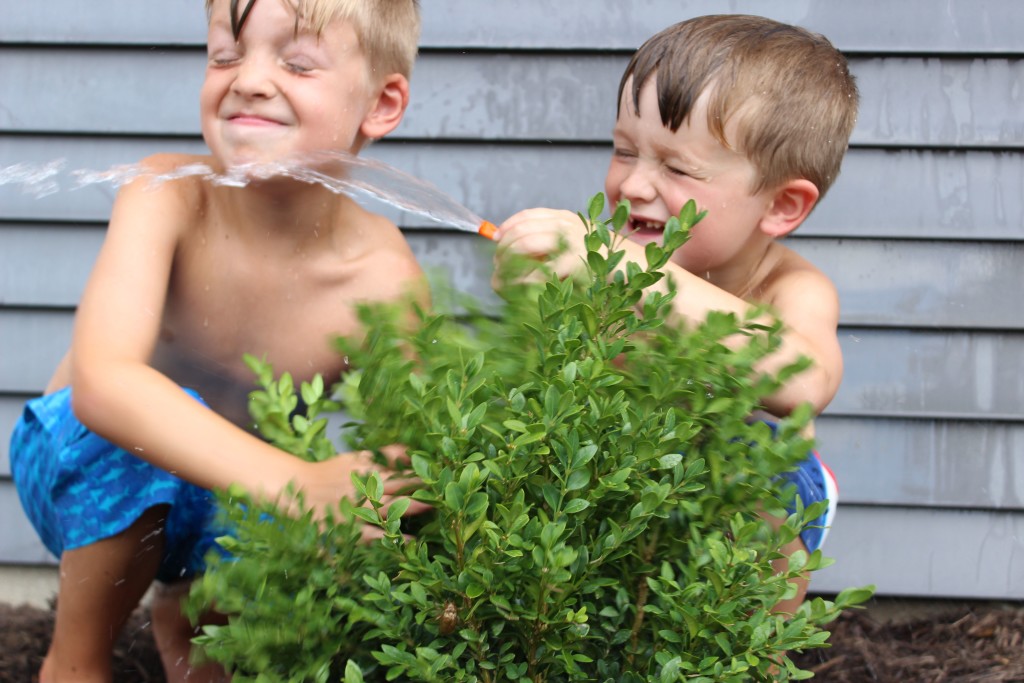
820 393
90 400
817 392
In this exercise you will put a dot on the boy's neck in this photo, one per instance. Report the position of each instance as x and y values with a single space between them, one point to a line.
744 276
285 210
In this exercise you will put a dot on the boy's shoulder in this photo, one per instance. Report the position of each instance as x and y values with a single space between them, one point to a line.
164 176
173 169
385 251
792 277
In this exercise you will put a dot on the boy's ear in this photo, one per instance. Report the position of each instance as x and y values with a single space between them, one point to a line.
387 112
790 205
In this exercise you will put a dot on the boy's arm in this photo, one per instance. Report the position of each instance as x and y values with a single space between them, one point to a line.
803 299
120 397
807 304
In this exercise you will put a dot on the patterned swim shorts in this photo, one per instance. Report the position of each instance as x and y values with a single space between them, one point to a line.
814 482
78 488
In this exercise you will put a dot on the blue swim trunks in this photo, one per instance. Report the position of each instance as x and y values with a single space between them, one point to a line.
814 482
78 488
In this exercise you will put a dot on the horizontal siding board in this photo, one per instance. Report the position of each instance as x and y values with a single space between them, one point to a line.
886 283
10 410
986 26
888 373
39 340
68 251
918 552
900 373
881 193
925 463
935 102
922 284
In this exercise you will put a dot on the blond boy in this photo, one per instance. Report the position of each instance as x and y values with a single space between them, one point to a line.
750 118
191 276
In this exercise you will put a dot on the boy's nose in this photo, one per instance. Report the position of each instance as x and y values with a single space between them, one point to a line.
638 185
253 78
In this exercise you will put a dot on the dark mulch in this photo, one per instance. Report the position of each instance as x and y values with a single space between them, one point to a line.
25 635
978 643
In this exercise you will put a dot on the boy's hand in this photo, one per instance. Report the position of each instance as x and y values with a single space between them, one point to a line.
325 483
550 235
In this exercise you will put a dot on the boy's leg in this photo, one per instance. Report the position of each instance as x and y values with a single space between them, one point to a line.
100 585
790 605
173 633
814 483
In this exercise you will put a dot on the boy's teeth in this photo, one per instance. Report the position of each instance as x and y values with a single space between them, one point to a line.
646 225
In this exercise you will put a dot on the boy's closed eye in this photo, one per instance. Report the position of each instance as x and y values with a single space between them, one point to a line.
221 49
676 171
224 58
299 65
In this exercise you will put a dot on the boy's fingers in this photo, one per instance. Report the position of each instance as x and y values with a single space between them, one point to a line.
396 454
401 483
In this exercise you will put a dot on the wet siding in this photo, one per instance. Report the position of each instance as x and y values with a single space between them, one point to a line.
923 233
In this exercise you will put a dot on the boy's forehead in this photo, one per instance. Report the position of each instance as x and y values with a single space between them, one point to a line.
238 18
239 10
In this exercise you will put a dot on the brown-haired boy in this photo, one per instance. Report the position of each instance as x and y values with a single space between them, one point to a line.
750 118
192 275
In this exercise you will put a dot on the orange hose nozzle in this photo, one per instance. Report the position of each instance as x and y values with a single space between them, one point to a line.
487 229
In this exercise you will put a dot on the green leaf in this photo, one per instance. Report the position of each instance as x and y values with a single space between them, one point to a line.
368 515
596 207
577 480
398 508
353 674
621 215
576 505
670 460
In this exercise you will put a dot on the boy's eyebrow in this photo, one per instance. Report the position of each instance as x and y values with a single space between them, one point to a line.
236 20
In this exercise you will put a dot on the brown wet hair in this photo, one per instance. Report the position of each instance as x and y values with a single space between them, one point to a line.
790 91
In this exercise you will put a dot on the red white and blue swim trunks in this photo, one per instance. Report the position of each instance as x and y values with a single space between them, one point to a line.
814 482
78 488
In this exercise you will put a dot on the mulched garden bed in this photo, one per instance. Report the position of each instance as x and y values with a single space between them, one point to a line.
902 643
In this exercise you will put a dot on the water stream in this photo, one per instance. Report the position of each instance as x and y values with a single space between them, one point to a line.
338 172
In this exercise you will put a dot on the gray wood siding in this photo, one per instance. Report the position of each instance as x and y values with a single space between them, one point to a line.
512 107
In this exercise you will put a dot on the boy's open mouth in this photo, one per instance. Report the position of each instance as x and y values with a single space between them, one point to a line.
640 228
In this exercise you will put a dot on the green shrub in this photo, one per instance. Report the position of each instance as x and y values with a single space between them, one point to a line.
596 489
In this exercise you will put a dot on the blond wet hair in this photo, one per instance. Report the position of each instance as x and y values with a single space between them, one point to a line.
388 30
